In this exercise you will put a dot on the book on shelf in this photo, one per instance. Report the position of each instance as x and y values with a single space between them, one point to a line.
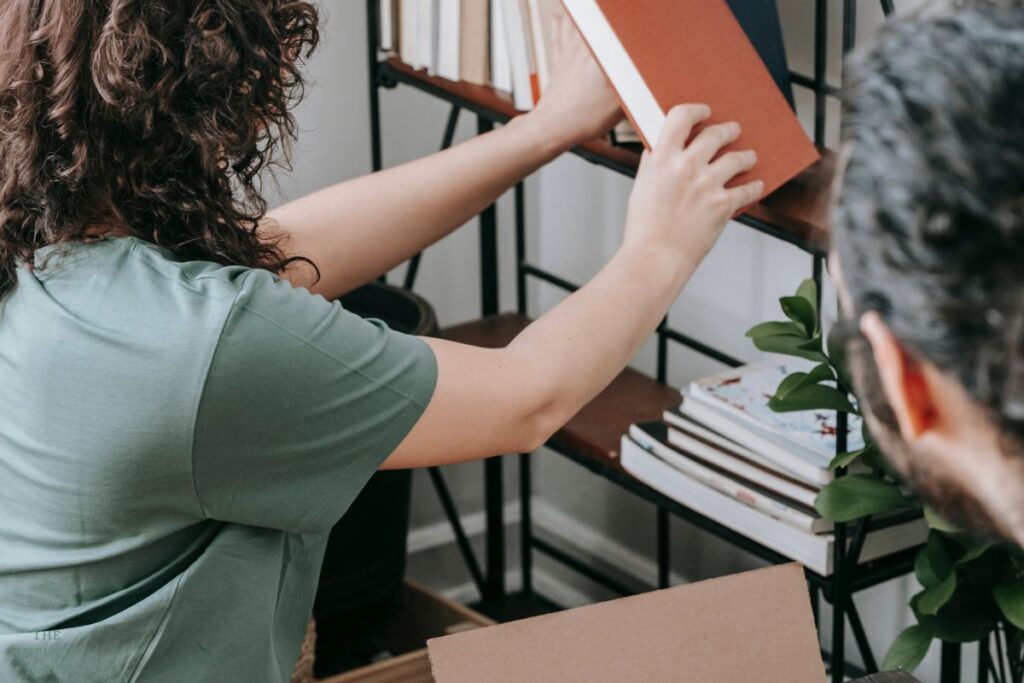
408 22
544 15
520 41
508 44
661 53
426 35
814 551
449 38
501 65
751 490
693 437
388 29
734 403
760 21
475 42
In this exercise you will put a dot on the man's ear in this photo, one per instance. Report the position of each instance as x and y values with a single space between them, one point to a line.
904 379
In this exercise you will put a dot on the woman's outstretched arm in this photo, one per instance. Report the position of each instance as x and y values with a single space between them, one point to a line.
357 230
511 400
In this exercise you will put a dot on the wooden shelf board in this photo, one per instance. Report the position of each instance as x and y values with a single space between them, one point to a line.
596 430
797 213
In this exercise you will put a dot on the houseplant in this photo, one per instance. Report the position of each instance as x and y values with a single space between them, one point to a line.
972 589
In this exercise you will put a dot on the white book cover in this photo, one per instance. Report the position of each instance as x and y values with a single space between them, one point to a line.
501 68
449 38
747 495
797 461
814 551
691 437
520 50
743 393
387 25
408 32
426 35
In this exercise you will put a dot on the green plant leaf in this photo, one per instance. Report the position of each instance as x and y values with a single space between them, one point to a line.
848 498
963 619
808 289
933 565
788 345
812 344
820 373
937 522
973 547
802 311
812 397
908 650
846 459
772 329
1009 596
932 599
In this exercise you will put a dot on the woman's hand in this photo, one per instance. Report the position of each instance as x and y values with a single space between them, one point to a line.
579 103
680 204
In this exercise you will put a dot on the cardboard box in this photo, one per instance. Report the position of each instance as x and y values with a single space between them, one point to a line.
756 626
420 614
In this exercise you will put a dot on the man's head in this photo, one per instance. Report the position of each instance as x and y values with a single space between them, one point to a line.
929 249
154 117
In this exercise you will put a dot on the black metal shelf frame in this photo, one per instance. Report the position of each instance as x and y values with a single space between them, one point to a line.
849 576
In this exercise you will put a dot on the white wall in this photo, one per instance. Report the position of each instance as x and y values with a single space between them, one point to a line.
575 214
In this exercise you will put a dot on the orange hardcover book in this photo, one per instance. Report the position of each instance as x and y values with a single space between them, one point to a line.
660 53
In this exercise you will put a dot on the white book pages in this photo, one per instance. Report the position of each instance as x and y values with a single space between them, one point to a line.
814 551
775 509
540 51
449 38
501 68
426 35
685 442
387 26
636 96
520 50
408 32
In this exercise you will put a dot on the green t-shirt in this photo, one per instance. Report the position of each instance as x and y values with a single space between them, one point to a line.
176 441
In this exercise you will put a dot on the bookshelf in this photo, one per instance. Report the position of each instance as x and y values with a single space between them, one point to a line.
797 214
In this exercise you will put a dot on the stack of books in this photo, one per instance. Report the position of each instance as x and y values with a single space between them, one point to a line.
726 455
504 44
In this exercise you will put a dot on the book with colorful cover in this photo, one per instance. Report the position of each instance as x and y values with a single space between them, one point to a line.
661 53
743 393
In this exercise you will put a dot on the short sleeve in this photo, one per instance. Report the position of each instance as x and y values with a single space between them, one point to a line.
303 402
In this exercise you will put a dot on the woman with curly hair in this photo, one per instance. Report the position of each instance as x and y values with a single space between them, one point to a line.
184 413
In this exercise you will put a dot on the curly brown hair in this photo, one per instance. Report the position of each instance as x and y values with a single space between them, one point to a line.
152 116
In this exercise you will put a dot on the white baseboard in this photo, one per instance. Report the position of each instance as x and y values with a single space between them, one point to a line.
585 541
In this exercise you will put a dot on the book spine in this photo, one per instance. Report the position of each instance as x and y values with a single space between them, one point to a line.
408 32
449 39
387 28
639 103
729 462
732 488
524 85
766 448
813 551
540 48
501 69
